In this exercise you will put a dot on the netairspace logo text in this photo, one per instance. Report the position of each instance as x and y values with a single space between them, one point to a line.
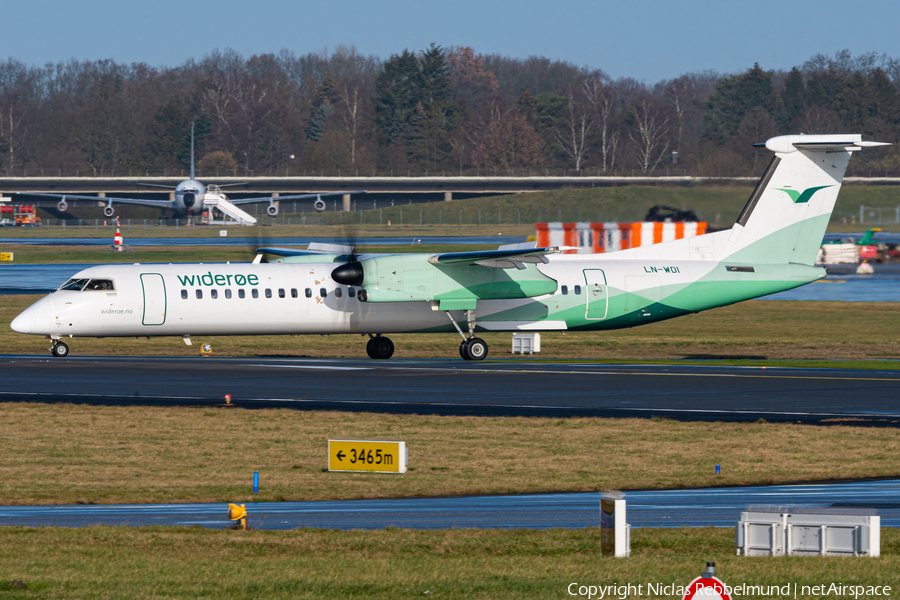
790 590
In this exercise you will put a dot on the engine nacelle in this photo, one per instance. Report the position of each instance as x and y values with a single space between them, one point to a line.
108 211
272 210
62 206
319 205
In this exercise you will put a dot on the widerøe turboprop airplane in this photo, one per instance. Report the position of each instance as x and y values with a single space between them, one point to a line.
188 197
772 247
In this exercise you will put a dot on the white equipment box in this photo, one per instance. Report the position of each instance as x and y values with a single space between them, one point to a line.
526 343
779 531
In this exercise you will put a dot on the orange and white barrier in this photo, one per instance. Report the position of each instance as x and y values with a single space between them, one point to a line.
596 238
117 239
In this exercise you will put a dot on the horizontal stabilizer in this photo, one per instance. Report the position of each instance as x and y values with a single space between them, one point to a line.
785 144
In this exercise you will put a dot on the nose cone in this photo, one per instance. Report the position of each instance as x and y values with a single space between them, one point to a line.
24 323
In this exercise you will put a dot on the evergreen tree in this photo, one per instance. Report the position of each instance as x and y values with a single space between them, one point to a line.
793 96
848 102
435 80
738 94
437 113
815 92
397 97
882 101
322 108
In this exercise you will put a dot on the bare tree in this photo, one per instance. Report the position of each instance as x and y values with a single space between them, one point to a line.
574 129
17 88
648 133
680 93
602 98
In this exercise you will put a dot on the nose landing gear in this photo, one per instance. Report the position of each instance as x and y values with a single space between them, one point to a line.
59 349
471 348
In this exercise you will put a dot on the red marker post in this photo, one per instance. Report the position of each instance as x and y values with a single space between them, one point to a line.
707 586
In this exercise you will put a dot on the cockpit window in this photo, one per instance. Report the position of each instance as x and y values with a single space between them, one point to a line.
89 285
100 285
74 285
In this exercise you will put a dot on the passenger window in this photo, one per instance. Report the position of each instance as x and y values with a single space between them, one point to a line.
351 292
254 292
323 292
241 293
228 293
281 292
268 293
565 290
308 293
184 294
199 294
337 292
577 290
213 294
294 293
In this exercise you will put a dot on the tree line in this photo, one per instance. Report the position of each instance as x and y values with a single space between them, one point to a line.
438 110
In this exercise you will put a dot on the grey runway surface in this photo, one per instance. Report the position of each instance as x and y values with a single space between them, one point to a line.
716 507
452 386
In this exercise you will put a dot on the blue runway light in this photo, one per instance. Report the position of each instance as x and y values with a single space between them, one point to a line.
256 481
718 469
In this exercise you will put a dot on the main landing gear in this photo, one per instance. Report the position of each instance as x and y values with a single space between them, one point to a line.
59 349
379 347
471 348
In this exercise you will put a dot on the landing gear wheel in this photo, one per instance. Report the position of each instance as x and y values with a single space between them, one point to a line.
380 348
462 350
476 349
59 350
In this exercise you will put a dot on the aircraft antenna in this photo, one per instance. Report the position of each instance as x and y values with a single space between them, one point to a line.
192 150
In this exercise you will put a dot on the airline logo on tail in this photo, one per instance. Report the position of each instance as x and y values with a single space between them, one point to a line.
802 198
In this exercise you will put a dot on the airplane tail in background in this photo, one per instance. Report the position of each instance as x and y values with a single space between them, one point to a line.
192 151
787 213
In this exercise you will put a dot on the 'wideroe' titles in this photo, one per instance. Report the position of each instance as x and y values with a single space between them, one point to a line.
209 279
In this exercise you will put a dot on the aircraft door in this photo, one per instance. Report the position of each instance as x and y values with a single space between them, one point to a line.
154 299
597 294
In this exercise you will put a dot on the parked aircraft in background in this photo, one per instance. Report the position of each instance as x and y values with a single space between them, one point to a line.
188 196
329 290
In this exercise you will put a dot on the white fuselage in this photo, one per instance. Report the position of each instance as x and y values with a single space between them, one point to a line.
218 299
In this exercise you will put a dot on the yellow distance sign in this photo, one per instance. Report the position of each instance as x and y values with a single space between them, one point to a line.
6 256
367 456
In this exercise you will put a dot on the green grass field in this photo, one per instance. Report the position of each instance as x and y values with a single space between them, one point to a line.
68 454
105 562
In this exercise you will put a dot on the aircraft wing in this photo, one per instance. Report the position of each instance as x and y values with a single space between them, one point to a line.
294 197
114 199
497 259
